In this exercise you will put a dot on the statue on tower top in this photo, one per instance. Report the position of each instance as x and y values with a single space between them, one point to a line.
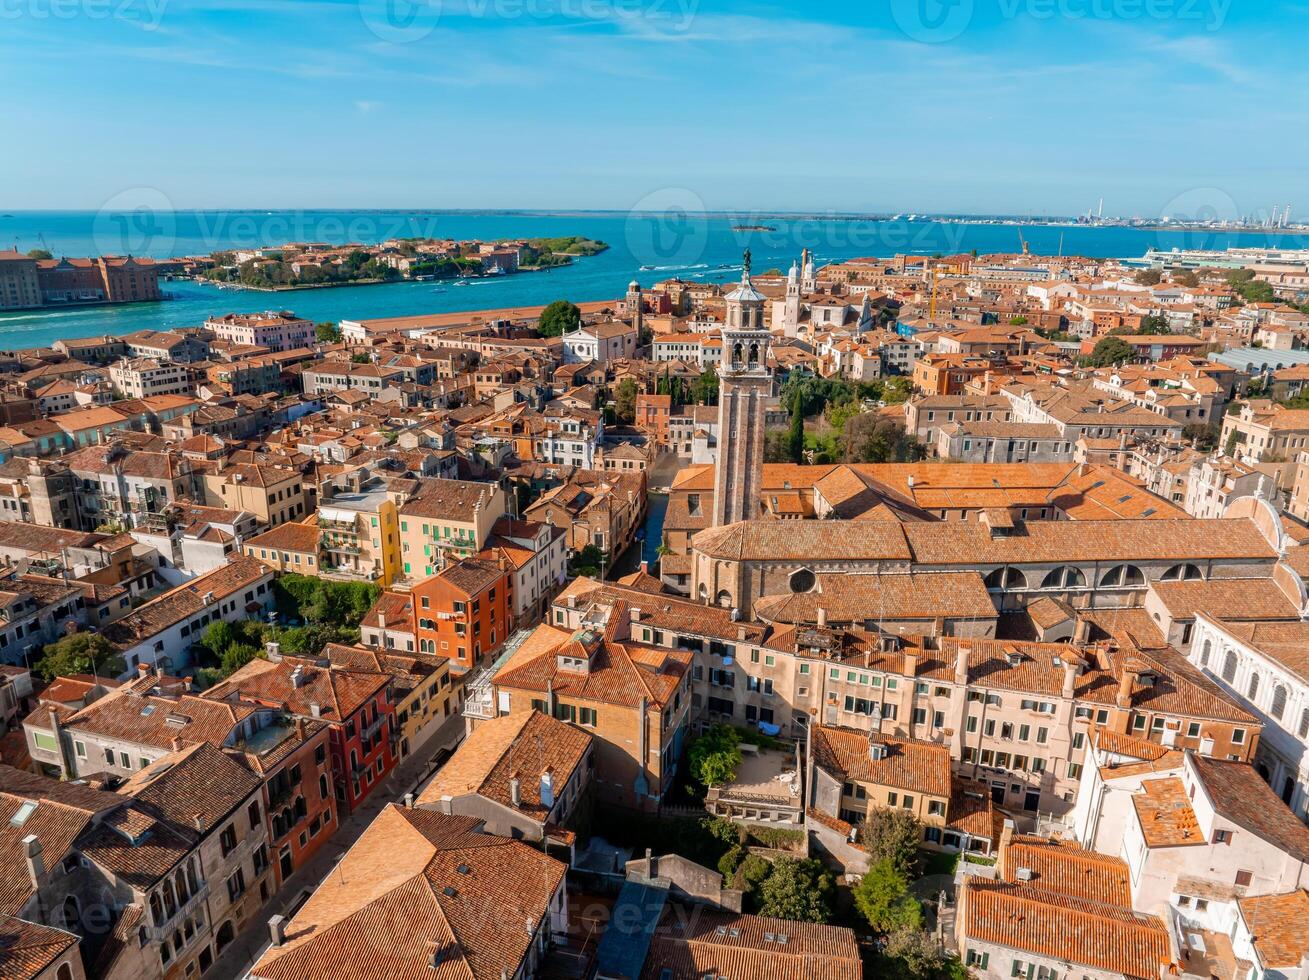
745 262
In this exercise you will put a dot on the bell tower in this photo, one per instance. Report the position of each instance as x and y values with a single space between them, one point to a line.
745 382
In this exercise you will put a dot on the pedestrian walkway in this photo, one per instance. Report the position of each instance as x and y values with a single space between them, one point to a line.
408 777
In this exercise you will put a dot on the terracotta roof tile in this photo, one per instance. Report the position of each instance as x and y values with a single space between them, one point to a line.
419 885
1039 921
1277 925
523 745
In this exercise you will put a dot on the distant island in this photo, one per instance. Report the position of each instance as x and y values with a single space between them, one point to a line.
314 265
754 228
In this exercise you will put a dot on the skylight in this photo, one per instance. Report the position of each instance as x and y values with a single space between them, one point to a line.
25 810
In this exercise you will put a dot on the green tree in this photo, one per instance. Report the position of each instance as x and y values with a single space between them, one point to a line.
237 656
795 431
625 400
872 438
588 561
1202 437
704 389
1110 351
729 862
559 318
894 836
327 333
217 638
882 897
752 872
80 653
796 889
1149 277
1018 321
1154 325
715 756
917 955
39 253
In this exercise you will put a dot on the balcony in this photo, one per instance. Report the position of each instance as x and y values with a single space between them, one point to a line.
158 933
341 549
346 573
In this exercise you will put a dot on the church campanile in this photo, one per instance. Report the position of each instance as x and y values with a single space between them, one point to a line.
744 385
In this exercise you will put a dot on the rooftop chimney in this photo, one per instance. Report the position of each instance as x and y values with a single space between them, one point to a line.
177 744
315 709
1070 679
277 929
515 791
822 618
1081 631
961 665
1006 839
35 860
548 788
200 822
1125 682
409 801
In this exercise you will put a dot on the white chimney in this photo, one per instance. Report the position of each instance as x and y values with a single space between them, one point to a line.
515 791
35 861
548 788
277 929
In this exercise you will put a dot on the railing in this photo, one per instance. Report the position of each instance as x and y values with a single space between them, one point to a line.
278 797
480 700
161 932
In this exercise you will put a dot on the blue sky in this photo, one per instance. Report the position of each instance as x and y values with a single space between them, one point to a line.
1017 106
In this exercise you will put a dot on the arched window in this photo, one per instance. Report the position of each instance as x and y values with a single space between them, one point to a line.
1182 573
704 592
1304 723
1253 691
72 913
65 972
725 599
322 786
1006 580
1229 666
1122 577
1205 651
1064 577
803 580
1278 707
